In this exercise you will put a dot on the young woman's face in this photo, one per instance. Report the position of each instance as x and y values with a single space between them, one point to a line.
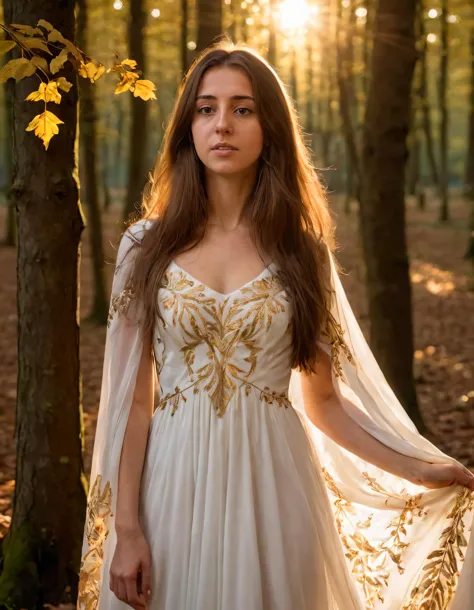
225 112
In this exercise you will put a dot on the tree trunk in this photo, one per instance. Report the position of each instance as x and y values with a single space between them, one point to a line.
469 178
138 139
42 550
88 144
382 207
272 51
184 37
469 173
209 19
293 76
344 74
443 107
309 89
10 228
425 104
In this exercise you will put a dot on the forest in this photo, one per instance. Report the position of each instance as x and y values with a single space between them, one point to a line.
384 91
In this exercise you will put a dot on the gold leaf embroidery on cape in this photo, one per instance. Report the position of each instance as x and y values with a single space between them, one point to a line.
229 327
335 334
119 303
369 562
98 510
438 580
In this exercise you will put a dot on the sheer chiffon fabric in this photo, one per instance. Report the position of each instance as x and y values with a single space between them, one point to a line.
245 504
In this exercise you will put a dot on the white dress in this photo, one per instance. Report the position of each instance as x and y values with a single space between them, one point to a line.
233 504
245 504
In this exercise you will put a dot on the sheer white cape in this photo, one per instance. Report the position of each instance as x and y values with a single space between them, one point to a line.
406 547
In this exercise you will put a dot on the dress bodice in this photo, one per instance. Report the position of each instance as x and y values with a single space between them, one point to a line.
222 343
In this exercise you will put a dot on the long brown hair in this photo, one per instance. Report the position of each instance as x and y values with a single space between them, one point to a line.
287 209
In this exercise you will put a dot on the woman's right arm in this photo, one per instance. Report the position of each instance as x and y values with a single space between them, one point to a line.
132 553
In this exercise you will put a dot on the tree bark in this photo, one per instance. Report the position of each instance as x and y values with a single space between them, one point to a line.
310 88
469 178
88 144
344 75
138 139
184 37
382 209
425 104
443 107
469 172
209 18
42 550
10 228
272 28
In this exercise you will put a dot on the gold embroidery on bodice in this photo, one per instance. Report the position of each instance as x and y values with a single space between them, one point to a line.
238 320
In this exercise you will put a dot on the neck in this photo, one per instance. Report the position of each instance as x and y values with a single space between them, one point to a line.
227 196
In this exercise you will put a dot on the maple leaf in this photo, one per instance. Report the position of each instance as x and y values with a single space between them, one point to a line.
45 24
26 29
40 62
33 43
128 79
129 62
6 45
144 89
63 84
17 69
46 92
45 126
91 70
58 62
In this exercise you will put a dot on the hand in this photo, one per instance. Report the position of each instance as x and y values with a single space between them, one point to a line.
436 476
130 569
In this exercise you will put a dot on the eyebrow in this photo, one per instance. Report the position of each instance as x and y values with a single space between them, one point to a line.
233 97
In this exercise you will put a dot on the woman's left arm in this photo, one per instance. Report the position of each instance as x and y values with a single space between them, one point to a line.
324 409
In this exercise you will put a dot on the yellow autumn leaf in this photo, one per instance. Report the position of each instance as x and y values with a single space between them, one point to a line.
6 45
46 25
47 92
45 126
26 29
63 84
17 69
129 62
33 43
144 89
91 70
58 62
128 79
40 62
56 36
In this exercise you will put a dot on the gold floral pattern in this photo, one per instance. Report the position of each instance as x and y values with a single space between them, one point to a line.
438 580
231 323
335 335
119 303
98 511
370 563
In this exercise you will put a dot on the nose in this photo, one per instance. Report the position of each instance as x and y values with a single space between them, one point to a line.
223 124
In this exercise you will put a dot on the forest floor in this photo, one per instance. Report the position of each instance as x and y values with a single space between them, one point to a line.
443 315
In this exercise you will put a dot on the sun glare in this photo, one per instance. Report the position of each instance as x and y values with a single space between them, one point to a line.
294 14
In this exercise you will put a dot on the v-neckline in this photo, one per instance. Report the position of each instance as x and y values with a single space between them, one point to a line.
221 294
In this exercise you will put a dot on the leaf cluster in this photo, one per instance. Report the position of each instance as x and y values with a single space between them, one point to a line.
44 38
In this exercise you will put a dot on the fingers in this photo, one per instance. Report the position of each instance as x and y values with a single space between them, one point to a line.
146 579
133 599
126 590
466 478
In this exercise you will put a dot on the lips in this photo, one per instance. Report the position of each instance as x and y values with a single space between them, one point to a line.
223 146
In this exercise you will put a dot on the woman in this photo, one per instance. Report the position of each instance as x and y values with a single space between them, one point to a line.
277 471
